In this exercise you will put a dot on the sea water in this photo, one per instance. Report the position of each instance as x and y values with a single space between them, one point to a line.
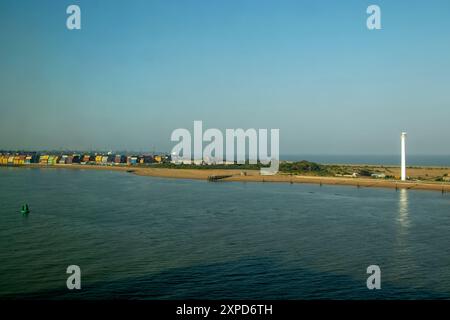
137 237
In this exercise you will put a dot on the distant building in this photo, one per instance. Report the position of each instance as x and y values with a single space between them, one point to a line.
353 175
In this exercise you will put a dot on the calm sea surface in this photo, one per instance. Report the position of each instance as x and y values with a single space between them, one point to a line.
149 238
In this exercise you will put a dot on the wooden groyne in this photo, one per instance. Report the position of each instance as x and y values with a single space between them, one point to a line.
218 177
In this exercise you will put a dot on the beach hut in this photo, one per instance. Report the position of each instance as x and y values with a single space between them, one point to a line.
21 160
104 160
76 158
132 160
53 159
98 159
63 159
31 158
120 159
43 159
146 159
157 159
3 160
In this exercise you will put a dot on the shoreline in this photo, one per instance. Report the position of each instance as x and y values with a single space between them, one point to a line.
254 176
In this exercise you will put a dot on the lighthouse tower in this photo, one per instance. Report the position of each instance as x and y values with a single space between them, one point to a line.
403 169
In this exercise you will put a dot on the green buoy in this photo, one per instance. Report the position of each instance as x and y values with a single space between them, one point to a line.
25 209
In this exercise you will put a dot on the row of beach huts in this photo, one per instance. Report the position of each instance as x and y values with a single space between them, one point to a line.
8 159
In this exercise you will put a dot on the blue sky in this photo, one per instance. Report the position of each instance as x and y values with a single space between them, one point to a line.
139 69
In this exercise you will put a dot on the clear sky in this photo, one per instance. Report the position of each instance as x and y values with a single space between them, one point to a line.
139 69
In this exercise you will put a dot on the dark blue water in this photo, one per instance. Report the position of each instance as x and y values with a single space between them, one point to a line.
149 238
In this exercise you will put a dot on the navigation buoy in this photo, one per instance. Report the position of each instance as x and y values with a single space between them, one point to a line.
25 209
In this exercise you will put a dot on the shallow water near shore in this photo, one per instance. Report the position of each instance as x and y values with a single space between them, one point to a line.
138 237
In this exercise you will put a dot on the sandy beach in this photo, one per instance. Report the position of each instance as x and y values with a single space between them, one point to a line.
254 176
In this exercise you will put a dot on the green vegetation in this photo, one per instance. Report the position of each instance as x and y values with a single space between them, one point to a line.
300 167
304 167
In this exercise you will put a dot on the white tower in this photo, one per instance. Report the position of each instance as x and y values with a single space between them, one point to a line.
403 169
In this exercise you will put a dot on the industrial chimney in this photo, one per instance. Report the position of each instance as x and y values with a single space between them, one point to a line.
403 169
